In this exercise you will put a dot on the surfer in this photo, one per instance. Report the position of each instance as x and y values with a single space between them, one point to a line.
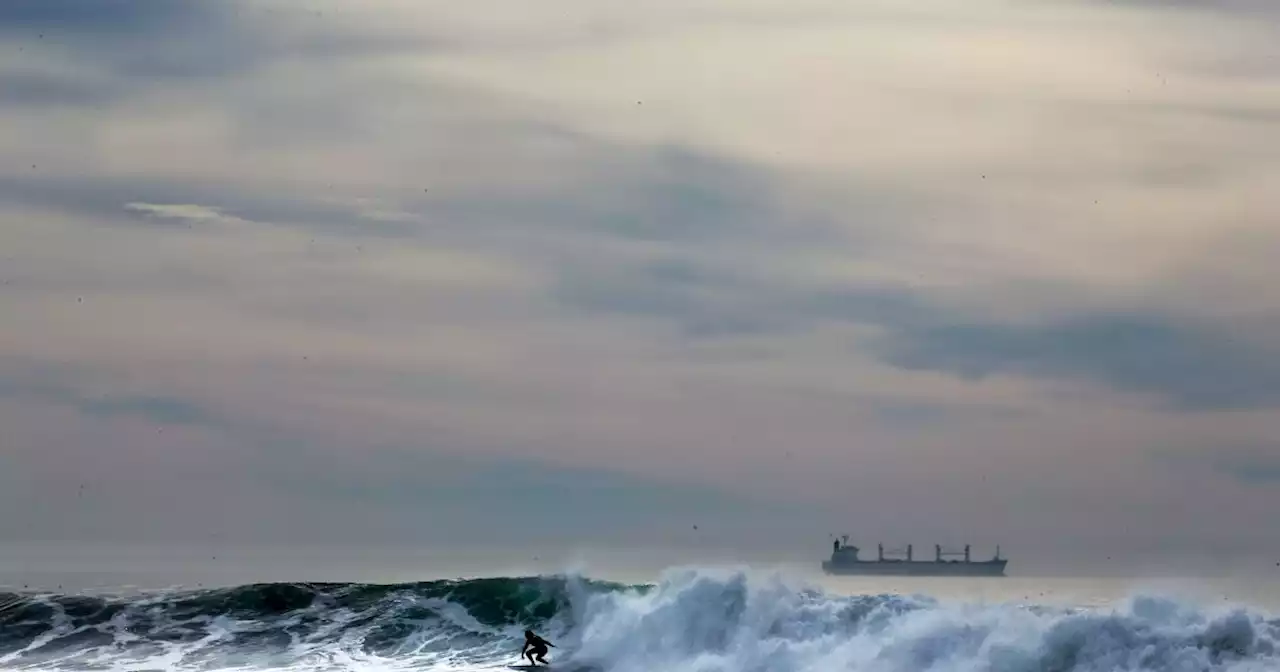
534 646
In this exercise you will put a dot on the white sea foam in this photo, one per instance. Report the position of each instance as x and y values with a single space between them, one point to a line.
693 620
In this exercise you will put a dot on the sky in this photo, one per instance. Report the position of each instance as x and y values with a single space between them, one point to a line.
664 275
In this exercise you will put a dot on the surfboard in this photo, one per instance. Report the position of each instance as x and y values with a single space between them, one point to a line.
551 666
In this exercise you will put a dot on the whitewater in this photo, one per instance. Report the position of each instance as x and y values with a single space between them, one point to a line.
691 620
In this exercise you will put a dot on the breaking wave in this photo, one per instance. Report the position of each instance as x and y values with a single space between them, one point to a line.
690 621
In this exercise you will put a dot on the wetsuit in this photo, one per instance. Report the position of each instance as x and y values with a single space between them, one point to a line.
534 647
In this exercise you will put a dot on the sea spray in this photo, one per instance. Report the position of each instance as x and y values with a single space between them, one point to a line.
693 620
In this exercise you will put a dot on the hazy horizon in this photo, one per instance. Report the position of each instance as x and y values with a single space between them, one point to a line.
76 566
489 275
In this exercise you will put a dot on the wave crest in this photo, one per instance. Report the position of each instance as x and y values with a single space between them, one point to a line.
693 620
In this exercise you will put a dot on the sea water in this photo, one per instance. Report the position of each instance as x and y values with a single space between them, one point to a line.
729 618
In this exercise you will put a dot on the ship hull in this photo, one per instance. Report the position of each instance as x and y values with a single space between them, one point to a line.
912 568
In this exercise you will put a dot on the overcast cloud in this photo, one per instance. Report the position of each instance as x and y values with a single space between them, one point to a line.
450 273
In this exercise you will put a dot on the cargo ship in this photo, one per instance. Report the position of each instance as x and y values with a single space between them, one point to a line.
845 561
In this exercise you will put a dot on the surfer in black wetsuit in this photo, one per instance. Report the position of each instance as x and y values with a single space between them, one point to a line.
534 646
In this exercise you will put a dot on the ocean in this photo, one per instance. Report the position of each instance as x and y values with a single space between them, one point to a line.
725 618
